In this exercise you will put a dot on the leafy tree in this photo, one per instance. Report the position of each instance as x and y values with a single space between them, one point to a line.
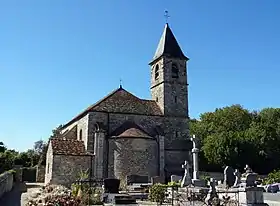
2 147
235 136
56 132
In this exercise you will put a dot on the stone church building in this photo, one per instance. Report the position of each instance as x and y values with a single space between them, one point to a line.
123 134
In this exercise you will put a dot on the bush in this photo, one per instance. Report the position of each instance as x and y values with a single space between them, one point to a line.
157 193
174 184
205 177
273 177
14 174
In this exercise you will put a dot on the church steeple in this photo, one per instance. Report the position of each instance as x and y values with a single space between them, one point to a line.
169 86
168 46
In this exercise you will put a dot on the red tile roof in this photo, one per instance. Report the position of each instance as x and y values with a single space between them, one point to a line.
122 101
68 147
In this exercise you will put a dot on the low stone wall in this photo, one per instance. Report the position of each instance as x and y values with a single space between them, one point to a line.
6 182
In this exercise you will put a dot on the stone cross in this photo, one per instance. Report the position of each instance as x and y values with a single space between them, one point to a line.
213 185
195 152
186 179
194 140
248 169
212 194
237 175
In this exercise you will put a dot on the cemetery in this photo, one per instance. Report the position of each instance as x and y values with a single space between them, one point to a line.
236 188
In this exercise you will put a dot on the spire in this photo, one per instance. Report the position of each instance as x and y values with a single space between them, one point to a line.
168 46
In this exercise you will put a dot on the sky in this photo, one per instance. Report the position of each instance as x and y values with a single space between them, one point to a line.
59 57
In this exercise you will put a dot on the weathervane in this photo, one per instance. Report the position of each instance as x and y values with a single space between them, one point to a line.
166 15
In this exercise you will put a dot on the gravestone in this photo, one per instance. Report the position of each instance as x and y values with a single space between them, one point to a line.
157 179
229 177
237 175
251 179
112 196
111 185
212 196
187 178
130 179
176 178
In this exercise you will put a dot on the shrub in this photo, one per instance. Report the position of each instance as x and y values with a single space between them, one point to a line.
174 184
157 193
273 177
205 177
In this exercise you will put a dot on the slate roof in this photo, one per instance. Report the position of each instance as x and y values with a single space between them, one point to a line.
68 147
122 101
168 46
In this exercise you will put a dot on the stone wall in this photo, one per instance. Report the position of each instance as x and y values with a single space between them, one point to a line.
133 156
6 183
40 173
165 89
81 131
49 165
176 132
66 168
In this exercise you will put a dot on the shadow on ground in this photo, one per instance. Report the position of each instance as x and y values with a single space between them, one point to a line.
13 198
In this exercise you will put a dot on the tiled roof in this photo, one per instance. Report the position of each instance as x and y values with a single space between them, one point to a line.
68 147
130 129
168 46
134 132
122 101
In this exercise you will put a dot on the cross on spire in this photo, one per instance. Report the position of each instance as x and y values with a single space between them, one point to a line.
166 15
120 83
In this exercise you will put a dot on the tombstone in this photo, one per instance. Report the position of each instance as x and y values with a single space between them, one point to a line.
111 185
176 178
212 195
111 193
237 175
229 177
250 179
130 179
186 181
157 179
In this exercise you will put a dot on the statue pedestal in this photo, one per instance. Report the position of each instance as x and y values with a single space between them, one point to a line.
252 196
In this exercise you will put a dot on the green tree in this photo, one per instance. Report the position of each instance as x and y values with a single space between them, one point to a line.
235 136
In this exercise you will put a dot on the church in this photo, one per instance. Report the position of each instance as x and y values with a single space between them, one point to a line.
123 134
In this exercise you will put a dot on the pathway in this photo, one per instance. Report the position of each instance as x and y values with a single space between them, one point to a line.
18 195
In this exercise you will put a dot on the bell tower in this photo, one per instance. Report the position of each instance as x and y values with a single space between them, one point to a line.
169 86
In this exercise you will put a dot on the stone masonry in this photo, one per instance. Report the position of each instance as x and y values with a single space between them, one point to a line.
128 135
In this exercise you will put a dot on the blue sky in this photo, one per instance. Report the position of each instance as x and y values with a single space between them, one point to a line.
58 57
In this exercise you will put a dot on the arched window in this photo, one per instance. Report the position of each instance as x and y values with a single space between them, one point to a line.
175 71
156 72
81 135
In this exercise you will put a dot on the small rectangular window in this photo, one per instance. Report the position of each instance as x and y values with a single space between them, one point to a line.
175 99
